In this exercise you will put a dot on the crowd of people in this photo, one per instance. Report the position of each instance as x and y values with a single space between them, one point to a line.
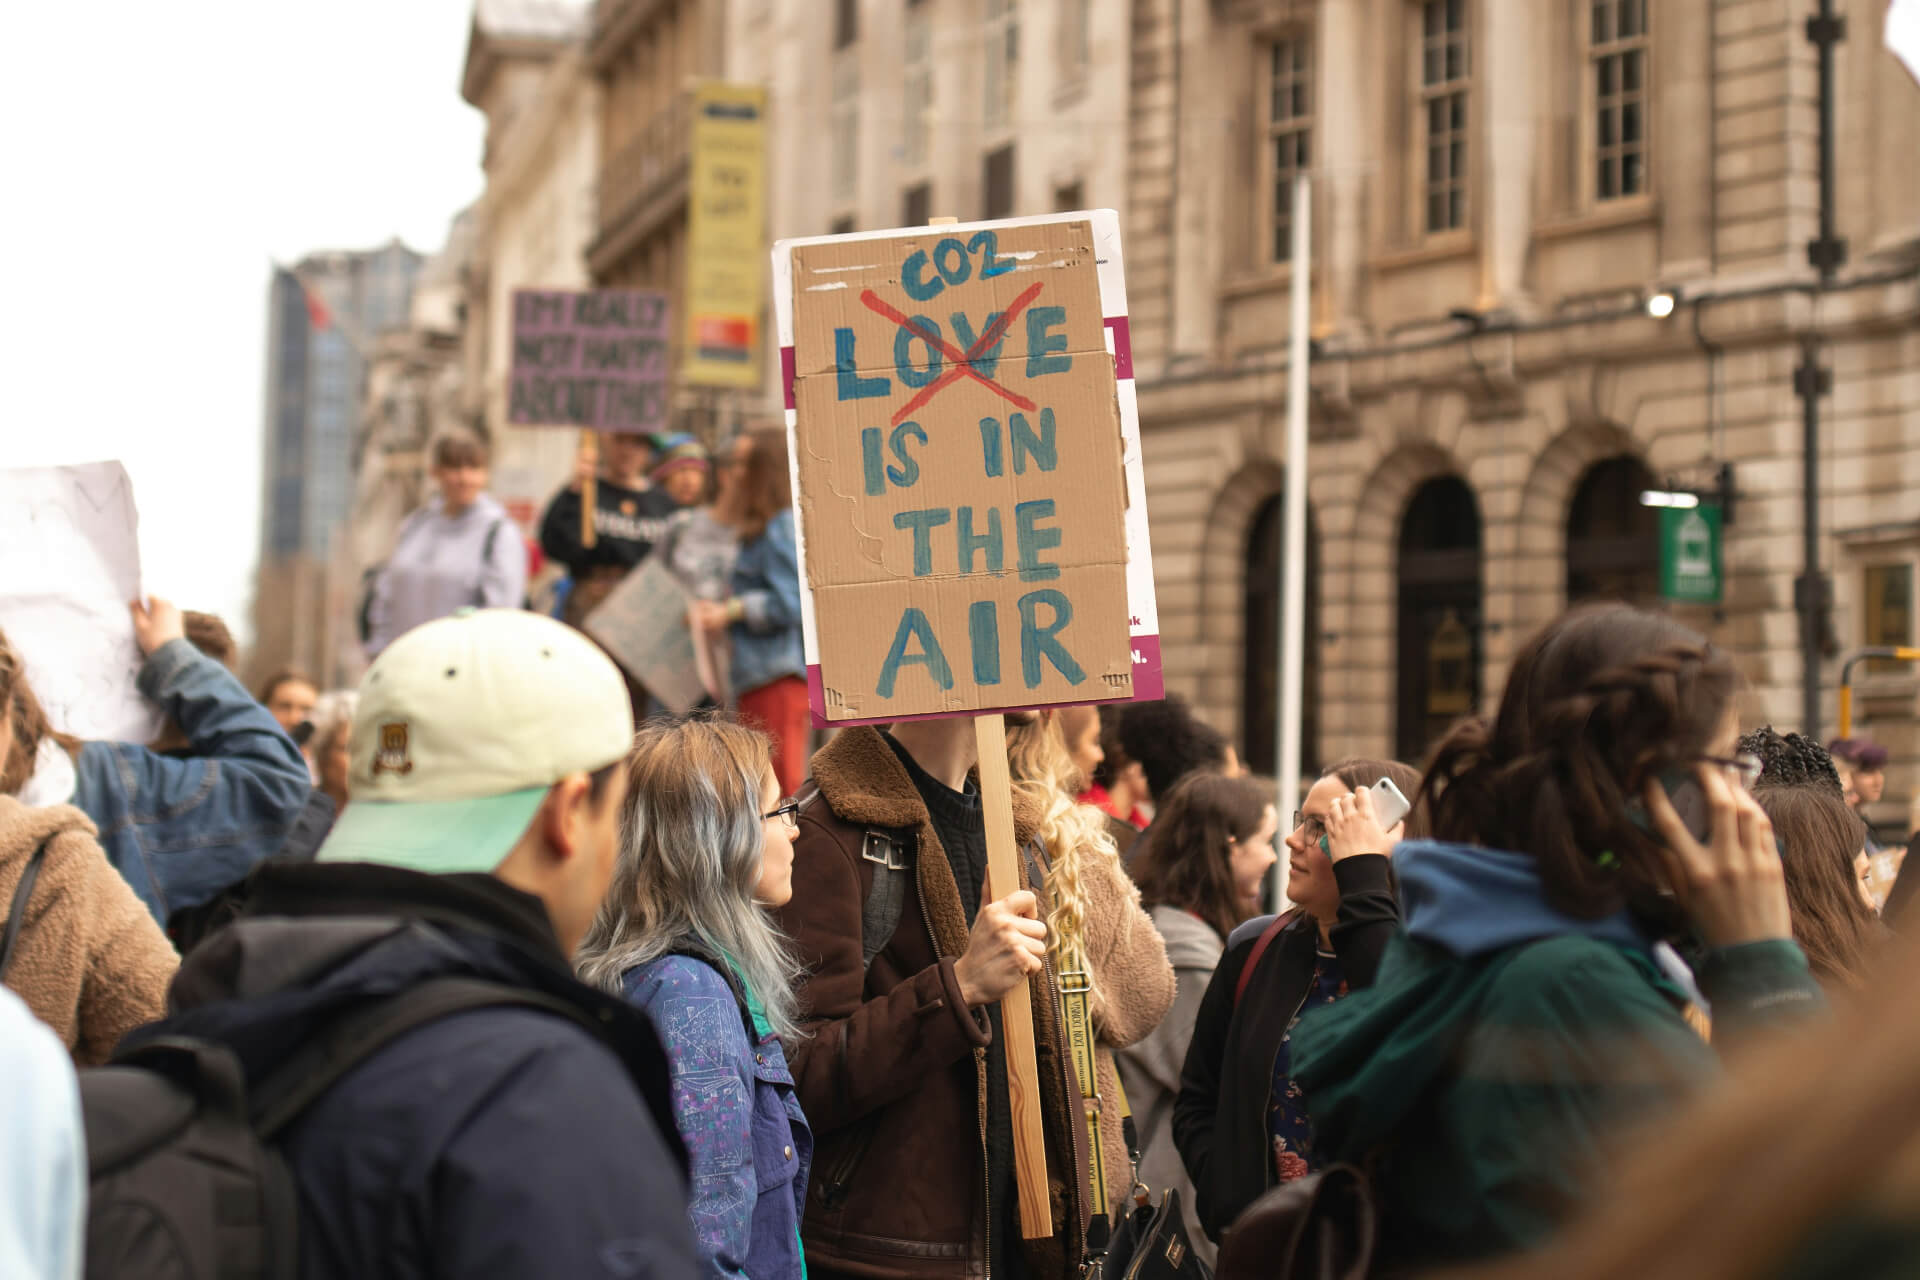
514 973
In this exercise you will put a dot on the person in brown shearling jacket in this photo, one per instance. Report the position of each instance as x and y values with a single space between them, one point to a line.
89 960
901 1075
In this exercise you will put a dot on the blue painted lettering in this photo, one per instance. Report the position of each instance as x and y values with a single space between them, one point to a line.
847 379
989 542
1032 540
908 472
1037 641
983 633
903 340
914 625
1042 342
1025 442
923 522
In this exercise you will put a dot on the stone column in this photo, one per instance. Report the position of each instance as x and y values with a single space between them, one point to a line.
1506 53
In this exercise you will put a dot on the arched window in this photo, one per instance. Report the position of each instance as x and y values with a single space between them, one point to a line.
1613 542
1260 677
1439 631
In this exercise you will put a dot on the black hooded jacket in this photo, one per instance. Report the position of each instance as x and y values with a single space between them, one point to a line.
493 1142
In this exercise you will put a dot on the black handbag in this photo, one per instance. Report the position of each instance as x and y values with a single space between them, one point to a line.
1149 1243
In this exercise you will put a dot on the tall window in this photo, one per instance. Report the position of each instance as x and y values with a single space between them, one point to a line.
1003 61
1887 611
843 114
916 205
1076 22
919 87
1289 132
1619 55
1445 72
998 180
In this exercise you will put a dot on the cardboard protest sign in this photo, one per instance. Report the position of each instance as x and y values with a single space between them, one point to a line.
69 565
972 518
643 624
596 359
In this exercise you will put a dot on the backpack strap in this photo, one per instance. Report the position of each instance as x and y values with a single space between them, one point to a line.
886 899
1265 940
320 1063
17 913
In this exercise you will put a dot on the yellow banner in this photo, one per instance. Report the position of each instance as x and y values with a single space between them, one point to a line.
726 236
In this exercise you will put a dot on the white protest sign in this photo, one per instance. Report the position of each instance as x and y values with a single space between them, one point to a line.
69 565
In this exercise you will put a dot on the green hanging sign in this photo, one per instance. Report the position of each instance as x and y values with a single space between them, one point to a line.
1690 568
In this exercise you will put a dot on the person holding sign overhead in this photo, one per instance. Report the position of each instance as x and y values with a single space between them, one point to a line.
903 1073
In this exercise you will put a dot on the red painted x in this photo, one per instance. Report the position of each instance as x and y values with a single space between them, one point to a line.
962 362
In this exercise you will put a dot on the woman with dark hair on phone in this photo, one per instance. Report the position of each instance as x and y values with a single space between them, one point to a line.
1238 1120
1820 836
1534 1006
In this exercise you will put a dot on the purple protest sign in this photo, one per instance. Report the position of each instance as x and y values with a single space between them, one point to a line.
596 359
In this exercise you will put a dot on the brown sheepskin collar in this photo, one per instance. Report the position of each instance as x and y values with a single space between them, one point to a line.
865 783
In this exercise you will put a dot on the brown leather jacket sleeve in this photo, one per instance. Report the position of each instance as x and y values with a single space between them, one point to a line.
861 1053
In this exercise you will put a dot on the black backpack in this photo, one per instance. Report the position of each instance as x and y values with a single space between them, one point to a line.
187 1180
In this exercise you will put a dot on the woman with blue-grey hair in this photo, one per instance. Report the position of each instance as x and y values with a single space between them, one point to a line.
706 848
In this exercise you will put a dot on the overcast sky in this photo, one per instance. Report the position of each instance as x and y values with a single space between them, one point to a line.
158 156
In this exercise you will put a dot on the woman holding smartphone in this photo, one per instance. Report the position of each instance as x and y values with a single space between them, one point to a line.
1533 1010
1238 1120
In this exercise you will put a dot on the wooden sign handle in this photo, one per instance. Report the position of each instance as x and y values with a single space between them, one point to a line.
590 451
1016 1008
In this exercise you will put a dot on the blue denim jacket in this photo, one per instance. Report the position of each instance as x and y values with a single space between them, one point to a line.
766 582
748 1145
181 830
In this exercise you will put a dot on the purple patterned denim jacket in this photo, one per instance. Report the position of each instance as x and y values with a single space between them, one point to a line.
748 1145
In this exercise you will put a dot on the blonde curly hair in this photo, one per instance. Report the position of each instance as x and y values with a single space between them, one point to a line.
1044 773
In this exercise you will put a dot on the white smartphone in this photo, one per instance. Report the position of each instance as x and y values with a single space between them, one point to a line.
1389 805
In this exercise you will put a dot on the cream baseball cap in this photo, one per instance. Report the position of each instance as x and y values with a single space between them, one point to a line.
464 724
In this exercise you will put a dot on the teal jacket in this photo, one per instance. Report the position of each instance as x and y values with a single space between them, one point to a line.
1504 1047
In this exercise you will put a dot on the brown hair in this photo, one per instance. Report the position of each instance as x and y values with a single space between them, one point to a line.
286 675
1187 863
1359 773
459 450
1598 702
26 719
764 489
1819 836
210 636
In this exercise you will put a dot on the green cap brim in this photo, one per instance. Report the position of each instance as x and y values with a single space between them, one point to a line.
440 838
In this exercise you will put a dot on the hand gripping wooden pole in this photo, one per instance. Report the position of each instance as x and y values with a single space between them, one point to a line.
1016 1008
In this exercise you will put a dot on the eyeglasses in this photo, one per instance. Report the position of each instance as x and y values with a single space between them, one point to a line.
788 813
1745 766
1314 825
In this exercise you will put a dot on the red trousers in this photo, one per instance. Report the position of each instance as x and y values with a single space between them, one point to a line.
780 710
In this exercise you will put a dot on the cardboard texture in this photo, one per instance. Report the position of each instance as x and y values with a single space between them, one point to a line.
643 624
960 471
595 359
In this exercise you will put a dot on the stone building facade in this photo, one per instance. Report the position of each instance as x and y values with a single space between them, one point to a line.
1500 187
526 71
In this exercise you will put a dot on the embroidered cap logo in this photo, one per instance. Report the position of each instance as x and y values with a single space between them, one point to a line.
393 755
